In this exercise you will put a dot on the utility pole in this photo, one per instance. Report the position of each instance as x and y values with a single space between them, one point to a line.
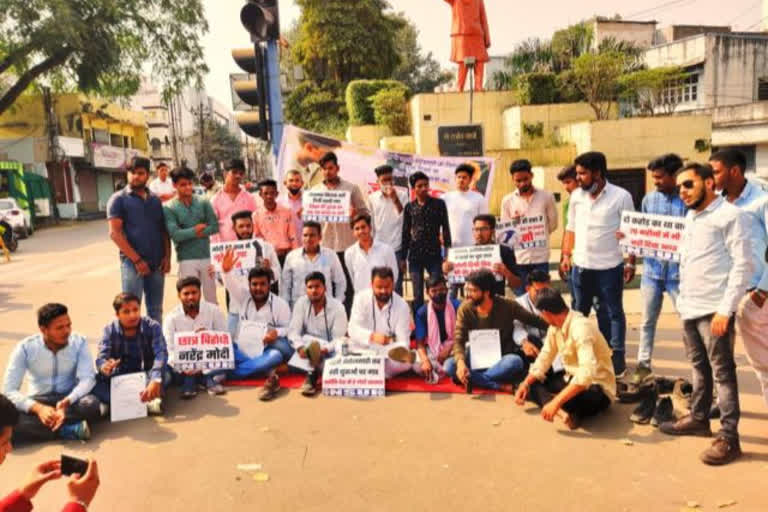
51 129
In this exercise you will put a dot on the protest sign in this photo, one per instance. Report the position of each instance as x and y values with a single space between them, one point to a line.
354 376
506 233
244 250
466 260
654 236
530 232
204 350
250 339
124 397
485 348
332 206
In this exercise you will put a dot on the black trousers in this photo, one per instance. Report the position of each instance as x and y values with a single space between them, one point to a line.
349 294
588 403
31 429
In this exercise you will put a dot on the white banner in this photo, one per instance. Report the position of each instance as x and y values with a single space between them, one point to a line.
112 157
204 350
654 236
244 250
468 259
354 376
332 206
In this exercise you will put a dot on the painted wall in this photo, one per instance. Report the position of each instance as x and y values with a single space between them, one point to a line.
551 118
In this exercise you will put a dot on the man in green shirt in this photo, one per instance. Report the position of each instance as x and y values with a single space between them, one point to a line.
567 176
191 221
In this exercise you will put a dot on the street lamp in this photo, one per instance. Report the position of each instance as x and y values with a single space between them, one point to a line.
469 63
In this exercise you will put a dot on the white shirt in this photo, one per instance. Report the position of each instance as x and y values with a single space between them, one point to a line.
359 263
326 326
716 265
387 222
595 223
463 207
268 253
394 319
275 312
209 318
523 331
298 266
539 204
161 188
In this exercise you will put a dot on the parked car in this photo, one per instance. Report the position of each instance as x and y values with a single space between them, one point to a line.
19 219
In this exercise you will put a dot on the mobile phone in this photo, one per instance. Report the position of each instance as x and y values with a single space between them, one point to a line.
72 465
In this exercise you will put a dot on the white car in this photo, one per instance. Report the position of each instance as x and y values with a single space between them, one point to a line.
18 219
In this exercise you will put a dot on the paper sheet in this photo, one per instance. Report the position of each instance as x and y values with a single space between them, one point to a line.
485 348
251 338
125 402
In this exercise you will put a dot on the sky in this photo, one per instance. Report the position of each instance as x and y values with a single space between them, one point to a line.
510 21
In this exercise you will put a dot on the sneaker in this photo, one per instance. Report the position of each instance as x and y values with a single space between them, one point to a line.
309 387
621 374
714 412
641 375
665 412
721 452
75 431
216 389
155 407
645 411
664 385
314 353
402 355
632 394
686 426
270 388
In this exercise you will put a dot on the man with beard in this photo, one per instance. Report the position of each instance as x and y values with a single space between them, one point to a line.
193 315
528 202
435 326
292 200
484 310
591 252
312 147
274 222
232 198
137 227
261 311
316 322
715 270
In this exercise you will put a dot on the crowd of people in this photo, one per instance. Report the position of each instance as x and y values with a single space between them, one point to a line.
313 284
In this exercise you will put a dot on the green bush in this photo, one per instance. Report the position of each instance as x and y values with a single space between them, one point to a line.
537 88
358 98
567 90
318 108
390 107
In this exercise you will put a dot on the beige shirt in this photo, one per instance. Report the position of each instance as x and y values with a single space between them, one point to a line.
540 204
338 236
585 354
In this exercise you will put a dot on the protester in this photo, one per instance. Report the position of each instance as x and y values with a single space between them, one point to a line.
483 309
716 245
162 185
137 227
463 205
274 222
530 338
382 318
366 254
293 200
210 186
435 327
309 258
567 176
659 276
192 315
57 403
591 251
232 198
190 222
387 207
425 223
589 384
130 344
317 321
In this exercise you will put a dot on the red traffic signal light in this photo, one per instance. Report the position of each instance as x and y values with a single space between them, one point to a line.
261 18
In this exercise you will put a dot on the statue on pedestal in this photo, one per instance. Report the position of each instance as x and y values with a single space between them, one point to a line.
470 37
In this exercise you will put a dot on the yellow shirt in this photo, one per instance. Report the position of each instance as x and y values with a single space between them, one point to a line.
585 354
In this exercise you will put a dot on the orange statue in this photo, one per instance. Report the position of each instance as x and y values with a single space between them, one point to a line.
470 37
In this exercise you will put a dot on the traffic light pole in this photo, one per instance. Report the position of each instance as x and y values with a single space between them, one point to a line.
275 95
261 79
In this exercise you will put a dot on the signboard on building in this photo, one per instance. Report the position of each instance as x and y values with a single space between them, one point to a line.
460 140
71 146
112 157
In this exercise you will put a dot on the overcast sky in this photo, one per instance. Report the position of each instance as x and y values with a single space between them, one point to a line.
511 21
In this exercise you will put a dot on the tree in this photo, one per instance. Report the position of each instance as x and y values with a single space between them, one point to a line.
390 108
569 44
650 91
217 143
318 108
596 75
420 72
100 46
533 55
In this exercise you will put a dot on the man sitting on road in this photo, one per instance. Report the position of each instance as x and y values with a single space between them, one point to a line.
435 326
193 315
589 385
316 322
381 318
58 403
530 339
263 315
132 343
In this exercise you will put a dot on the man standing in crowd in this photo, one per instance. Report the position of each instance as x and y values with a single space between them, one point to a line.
137 227
589 384
425 222
210 185
483 309
659 276
132 343
274 222
591 252
528 202
293 198
57 403
232 198
716 245
190 222
463 205
567 176
435 328
387 207
366 254
317 321
309 258
162 186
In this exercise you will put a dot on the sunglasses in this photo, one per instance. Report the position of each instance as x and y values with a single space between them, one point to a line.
687 184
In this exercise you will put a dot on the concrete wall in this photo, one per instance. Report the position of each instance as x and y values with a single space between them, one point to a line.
677 32
550 116
639 33
367 135
402 144
678 53
761 160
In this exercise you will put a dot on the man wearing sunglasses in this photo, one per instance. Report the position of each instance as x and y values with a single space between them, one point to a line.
714 274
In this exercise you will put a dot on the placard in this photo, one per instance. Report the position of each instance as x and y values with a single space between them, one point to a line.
359 376
485 348
332 206
250 339
466 260
654 236
204 350
506 233
531 232
244 250
125 397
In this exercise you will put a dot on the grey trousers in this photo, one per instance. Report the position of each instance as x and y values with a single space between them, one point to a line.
31 429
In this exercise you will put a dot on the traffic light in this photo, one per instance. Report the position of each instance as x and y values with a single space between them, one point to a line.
261 18
252 122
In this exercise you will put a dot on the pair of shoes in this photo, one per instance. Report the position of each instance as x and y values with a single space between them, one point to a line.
155 407
665 412
402 355
682 389
641 375
631 393
309 387
645 411
664 385
722 451
270 388
216 389
687 426
314 353
75 431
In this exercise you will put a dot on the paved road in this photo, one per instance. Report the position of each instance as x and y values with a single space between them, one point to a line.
405 452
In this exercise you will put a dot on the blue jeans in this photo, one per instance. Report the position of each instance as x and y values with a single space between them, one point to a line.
506 371
653 297
233 322
522 273
606 287
151 285
274 355
103 389
416 270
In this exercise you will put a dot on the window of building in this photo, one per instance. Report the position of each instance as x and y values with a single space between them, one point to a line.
100 136
682 91
116 140
762 89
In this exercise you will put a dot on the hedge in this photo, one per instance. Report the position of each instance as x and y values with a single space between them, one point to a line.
360 94
537 88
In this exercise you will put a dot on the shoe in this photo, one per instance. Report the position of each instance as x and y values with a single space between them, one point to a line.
309 387
216 389
686 426
645 411
714 412
664 385
641 375
682 389
155 407
469 386
402 355
633 394
188 394
103 410
665 412
75 431
314 354
721 452
270 388
621 374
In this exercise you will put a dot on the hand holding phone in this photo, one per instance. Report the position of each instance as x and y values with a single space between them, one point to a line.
72 465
